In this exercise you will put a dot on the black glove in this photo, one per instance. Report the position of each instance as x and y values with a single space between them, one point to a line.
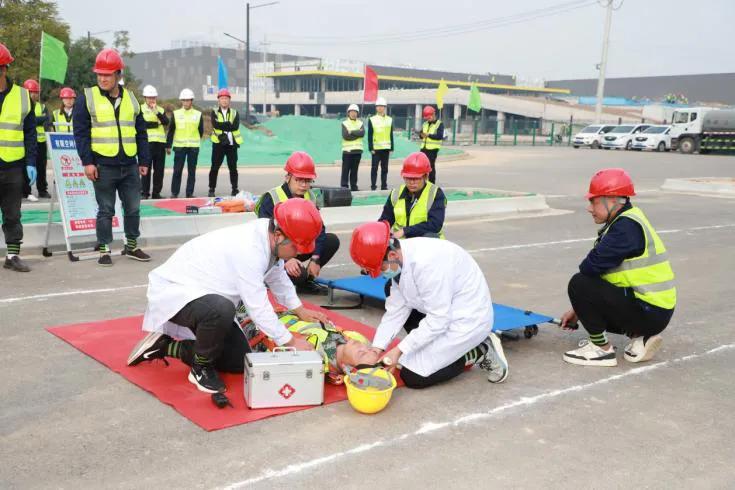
223 139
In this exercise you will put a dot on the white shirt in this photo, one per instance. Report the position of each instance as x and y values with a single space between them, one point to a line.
234 262
225 114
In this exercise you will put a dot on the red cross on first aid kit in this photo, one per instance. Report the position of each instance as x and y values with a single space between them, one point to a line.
283 378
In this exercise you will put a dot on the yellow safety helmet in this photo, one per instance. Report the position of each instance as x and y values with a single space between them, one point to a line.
369 389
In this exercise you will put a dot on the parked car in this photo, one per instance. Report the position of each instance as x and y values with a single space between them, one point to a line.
621 137
590 136
654 138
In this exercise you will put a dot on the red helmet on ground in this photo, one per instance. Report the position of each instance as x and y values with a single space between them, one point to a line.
300 221
5 57
428 112
416 165
301 165
613 182
223 92
368 246
67 93
108 62
31 85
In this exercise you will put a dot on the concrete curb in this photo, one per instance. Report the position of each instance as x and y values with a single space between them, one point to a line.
717 186
179 227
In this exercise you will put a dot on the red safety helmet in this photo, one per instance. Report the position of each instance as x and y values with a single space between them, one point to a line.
428 112
613 182
31 85
301 165
108 62
5 57
300 221
368 246
223 92
67 93
416 165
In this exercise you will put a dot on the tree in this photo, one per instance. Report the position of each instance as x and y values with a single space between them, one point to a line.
121 42
82 54
21 24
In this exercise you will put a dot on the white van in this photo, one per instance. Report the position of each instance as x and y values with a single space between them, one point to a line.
590 136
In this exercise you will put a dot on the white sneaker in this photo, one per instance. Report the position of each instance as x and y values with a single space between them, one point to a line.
494 361
32 198
639 351
589 354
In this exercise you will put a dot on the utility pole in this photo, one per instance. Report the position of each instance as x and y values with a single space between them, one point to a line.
265 85
603 62
248 7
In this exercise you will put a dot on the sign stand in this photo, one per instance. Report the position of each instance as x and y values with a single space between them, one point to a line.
75 197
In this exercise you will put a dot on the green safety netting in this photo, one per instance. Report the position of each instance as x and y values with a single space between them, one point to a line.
321 138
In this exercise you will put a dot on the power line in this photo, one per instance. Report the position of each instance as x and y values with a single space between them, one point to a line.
433 33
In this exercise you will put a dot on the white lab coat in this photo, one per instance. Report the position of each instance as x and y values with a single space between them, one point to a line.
442 280
234 262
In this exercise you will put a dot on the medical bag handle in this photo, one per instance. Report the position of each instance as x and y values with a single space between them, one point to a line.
285 349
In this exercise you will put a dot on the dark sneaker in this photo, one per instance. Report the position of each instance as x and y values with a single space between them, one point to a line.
137 254
311 287
16 264
211 193
384 188
174 196
373 188
206 379
156 196
494 361
44 195
105 260
153 346
189 196
235 192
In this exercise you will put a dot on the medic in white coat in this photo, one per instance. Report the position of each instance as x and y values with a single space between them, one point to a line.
194 293
440 297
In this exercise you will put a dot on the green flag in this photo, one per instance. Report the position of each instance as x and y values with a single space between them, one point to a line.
440 91
53 59
475 102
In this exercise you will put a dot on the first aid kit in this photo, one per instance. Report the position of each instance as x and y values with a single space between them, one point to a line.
283 378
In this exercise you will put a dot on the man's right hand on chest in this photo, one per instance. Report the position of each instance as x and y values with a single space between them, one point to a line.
298 342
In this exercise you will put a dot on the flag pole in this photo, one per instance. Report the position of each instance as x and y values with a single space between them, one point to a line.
40 65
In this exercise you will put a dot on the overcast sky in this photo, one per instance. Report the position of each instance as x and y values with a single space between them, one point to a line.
649 37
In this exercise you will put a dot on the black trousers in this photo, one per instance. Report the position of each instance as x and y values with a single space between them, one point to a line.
190 156
380 158
416 381
331 245
41 180
432 159
232 359
602 307
350 164
11 194
210 317
219 152
155 173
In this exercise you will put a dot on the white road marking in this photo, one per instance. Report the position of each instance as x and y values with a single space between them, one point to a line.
429 427
70 293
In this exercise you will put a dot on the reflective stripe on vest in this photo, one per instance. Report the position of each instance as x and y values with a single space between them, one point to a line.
382 127
61 125
352 145
419 211
109 131
279 195
40 130
186 134
157 134
430 129
15 108
650 274
236 136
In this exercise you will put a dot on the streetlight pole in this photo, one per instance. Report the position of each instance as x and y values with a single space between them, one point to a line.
603 62
247 53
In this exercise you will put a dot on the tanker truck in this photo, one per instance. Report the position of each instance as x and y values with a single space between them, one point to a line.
703 130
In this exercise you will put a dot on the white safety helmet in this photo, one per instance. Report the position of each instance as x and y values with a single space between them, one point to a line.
353 107
380 101
150 91
186 94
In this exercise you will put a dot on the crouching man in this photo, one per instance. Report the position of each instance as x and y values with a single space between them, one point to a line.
439 295
194 294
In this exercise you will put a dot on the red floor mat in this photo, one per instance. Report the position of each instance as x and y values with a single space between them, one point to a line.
179 205
110 342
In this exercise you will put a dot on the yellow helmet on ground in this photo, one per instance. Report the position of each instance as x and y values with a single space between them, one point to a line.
369 389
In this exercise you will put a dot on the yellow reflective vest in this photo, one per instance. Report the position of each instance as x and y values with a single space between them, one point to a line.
382 128
356 144
40 130
429 129
419 211
236 136
186 134
15 108
157 134
279 195
650 274
108 131
61 125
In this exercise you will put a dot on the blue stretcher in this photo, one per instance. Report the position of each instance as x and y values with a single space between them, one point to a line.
506 317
